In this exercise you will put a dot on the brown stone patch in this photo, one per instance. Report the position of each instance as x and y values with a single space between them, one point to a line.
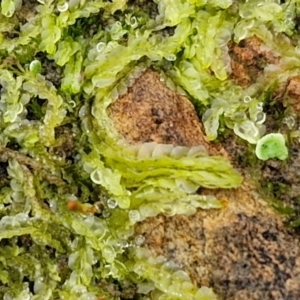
253 257
293 93
152 112
248 60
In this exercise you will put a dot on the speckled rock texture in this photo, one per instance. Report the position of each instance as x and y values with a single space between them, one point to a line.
293 92
248 60
253 258
243 251
151 112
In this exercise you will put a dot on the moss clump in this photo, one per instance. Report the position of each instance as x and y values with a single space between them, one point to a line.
61 65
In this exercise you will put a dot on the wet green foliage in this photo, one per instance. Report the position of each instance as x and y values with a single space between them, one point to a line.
71 190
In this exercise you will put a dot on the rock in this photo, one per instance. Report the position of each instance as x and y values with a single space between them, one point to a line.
248 60
243 251
150 112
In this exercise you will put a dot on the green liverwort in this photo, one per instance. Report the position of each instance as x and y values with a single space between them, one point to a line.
271 146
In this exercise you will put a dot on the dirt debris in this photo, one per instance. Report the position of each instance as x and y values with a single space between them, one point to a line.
65 141
27 11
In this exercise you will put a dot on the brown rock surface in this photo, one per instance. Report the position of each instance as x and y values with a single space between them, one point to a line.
293 92
242 251
248 60
151 112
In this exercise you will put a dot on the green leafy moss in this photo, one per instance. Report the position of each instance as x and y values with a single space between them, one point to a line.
60 235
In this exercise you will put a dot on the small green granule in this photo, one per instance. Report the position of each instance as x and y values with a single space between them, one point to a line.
271 146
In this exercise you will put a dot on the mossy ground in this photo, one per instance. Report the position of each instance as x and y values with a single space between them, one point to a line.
59 166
